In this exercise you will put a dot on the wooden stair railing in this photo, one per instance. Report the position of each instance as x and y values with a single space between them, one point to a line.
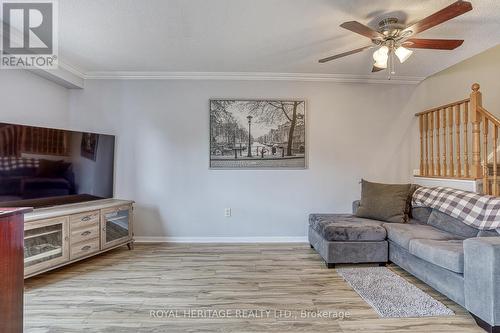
18 139
448 151
10 140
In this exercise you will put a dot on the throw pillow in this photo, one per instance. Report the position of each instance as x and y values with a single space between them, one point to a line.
52 169
413 188
384 202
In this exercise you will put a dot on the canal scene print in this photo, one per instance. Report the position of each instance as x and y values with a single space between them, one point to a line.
250 134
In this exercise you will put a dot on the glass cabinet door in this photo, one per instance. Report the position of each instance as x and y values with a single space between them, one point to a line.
45 244
117 226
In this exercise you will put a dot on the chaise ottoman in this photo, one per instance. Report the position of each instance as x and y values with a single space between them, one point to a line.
347 239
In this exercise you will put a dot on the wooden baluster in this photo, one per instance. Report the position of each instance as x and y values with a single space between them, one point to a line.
438 145
44 141
62 145
475 102
450 137
22 142
53 147
59 142
32 138
445 167
66 140
486 181
457 141
426 131
43 135
466 140
495 166
421 130
431 143
51 141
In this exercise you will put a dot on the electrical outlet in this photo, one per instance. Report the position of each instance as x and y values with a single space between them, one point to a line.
227 212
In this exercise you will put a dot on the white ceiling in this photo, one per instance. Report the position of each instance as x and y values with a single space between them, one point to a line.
271 36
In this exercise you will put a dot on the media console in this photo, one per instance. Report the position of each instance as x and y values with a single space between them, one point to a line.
57 236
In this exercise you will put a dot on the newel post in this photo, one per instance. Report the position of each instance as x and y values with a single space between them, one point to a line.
475 102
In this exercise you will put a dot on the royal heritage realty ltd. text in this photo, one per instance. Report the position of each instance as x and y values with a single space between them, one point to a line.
246 314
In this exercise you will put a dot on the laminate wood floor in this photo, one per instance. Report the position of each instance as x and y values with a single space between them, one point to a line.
116 292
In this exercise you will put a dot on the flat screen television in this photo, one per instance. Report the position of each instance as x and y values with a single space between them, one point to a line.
43 167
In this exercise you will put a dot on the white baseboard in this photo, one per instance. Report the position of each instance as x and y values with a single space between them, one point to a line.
146 239
460 184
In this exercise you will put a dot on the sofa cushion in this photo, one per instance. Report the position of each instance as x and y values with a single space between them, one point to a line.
10 185
384 202
448 254
413 188
403 233
342 227
450 224
488 233
421 213
52 169
355 206
18 166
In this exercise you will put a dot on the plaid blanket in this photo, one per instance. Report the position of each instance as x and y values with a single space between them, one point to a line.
479 211
13 163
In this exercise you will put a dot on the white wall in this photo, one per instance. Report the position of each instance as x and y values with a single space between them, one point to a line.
454 84
354 131
28 99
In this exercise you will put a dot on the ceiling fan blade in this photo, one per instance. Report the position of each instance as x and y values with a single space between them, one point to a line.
377 69
455 9
361 29
344 54
435 44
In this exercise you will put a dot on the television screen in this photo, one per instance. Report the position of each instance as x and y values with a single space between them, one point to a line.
42 167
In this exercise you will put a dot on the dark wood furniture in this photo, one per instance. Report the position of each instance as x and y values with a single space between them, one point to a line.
11 269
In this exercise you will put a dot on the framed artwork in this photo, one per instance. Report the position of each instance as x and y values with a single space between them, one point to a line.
89 145
257 134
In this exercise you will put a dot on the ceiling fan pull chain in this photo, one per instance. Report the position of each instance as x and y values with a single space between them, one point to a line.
393 67
392 70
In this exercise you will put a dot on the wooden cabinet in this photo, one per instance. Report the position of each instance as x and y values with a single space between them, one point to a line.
83 249
84 220
46 244
84 236
116 225
61 235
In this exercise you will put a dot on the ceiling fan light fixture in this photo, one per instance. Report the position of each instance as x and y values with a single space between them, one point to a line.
381 56
381 65
403 53
391 35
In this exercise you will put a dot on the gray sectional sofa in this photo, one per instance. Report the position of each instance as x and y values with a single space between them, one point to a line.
454 258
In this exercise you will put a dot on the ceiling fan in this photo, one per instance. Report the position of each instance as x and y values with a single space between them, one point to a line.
394 38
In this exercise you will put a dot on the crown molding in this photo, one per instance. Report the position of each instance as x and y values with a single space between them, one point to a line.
72 69
64 75
250 76
76 74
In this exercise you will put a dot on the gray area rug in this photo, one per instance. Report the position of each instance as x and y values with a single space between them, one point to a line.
390 295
